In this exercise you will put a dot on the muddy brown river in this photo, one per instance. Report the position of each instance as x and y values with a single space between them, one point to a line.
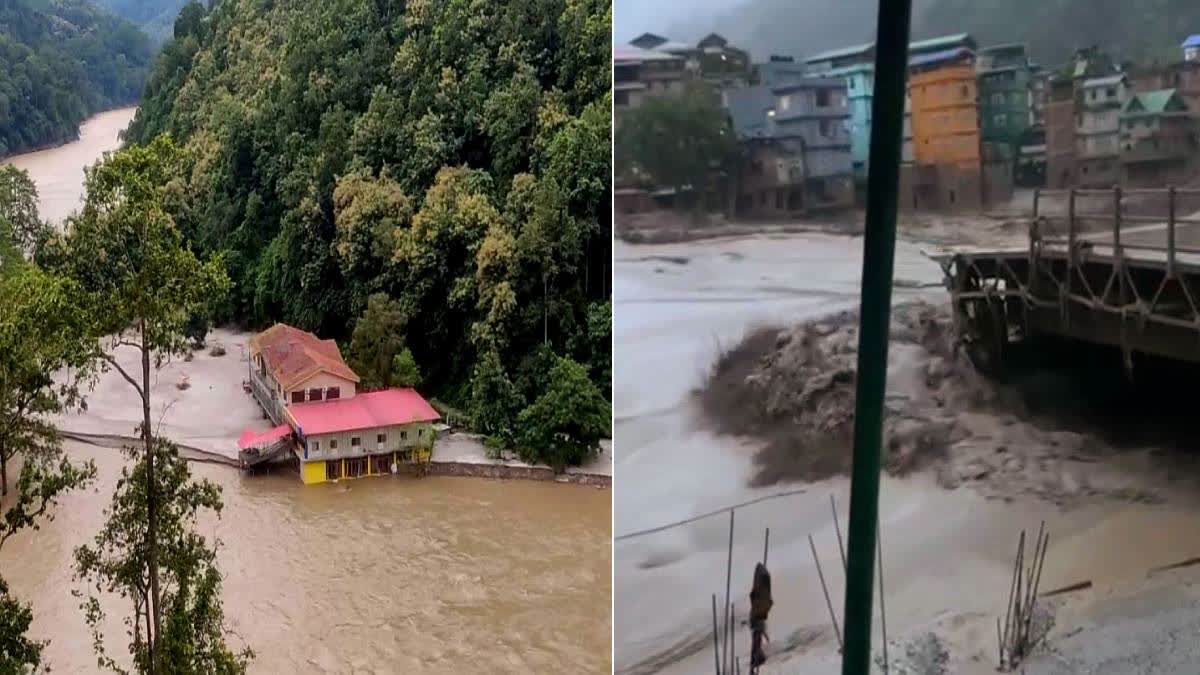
382 575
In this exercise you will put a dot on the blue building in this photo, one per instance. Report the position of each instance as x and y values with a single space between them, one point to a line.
856 65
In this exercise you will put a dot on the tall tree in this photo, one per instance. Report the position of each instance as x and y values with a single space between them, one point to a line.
565 425
19 220
679 141
378 339
193 635
141 284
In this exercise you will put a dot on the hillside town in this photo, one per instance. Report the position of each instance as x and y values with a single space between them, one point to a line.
980 121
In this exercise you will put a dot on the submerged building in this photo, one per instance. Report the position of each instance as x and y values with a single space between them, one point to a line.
332 430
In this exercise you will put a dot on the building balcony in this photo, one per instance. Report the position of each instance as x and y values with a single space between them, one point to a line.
266 396
1160 151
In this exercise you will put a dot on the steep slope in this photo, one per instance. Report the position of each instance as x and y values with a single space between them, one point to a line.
60 61
453 155
155 17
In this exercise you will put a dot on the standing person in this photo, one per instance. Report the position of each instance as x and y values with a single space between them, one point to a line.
760 607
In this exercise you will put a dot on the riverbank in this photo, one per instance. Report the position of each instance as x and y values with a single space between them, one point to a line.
206 417
58 171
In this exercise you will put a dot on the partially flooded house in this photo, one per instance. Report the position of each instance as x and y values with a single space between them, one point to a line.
323 422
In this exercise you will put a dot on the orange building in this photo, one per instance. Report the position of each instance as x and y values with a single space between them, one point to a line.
945 111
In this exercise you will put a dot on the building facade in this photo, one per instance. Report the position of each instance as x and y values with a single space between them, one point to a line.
945 128
856 65
1191 48
1159 140
1005 94
287 365
796 147
1097 130
639 74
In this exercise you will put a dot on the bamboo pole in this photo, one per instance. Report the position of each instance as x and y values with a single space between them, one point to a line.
828 603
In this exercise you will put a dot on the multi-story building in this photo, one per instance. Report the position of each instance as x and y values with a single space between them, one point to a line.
331 429
1159 140
1005 88
1061 111
778 70
1191 48
798 148
1097 130
721 64
945 127
640 73
856 65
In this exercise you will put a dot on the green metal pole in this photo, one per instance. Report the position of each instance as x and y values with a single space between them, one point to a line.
879 243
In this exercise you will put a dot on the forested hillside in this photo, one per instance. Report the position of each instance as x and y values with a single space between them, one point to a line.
450 160
155 17
60 61
1129 29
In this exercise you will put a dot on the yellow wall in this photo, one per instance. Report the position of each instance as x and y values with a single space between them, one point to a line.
945 116
312 472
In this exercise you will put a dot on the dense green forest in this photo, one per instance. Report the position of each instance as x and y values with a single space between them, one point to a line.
1139 30
61 61
155 17
449 160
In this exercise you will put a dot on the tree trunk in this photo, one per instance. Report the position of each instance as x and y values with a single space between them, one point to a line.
3 473
151 502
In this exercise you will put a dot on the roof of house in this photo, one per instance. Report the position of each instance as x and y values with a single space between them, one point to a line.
372 410
632 54
941 42
293 355
713 40
648 40
259 439
840 53
1150 102
938 57
1192 41
1104 81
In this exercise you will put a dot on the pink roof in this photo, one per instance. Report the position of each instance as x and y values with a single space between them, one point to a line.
385 408
257 439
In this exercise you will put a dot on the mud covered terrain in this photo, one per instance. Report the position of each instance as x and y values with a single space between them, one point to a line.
793 389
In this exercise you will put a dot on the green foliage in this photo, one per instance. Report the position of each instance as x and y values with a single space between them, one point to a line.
18 654
59 63
676 140
378 339
565 425
42 331
405 372
128 257
117 562
454 156
20 225
495 401
155 17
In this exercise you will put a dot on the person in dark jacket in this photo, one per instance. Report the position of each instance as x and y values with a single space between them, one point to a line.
760 607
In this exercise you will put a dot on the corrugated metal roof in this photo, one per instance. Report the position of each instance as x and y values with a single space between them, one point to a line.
1104 81
932 43
292 355
390 407
631 54
1151 102
1192 41
840 53
938 57
259 439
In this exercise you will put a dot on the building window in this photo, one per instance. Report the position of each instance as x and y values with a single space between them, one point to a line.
420 432
620 98
404 435
966 91
332 393
333 444
822 98
314 394
298 396
355 441
779 199
1111 92
998 98
381 438
999 120
785 102
315 446
333 469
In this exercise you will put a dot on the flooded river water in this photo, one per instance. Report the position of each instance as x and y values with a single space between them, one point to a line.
380 575
947 553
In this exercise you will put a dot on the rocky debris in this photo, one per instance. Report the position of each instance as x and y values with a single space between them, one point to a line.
794 389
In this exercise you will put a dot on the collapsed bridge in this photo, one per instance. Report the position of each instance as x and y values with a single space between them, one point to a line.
1111 267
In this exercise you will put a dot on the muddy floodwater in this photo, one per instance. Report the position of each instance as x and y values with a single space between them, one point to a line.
58 172
383 575
947 553
379 575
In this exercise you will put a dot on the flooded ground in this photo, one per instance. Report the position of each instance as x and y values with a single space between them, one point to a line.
58 172
379 575
947 552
